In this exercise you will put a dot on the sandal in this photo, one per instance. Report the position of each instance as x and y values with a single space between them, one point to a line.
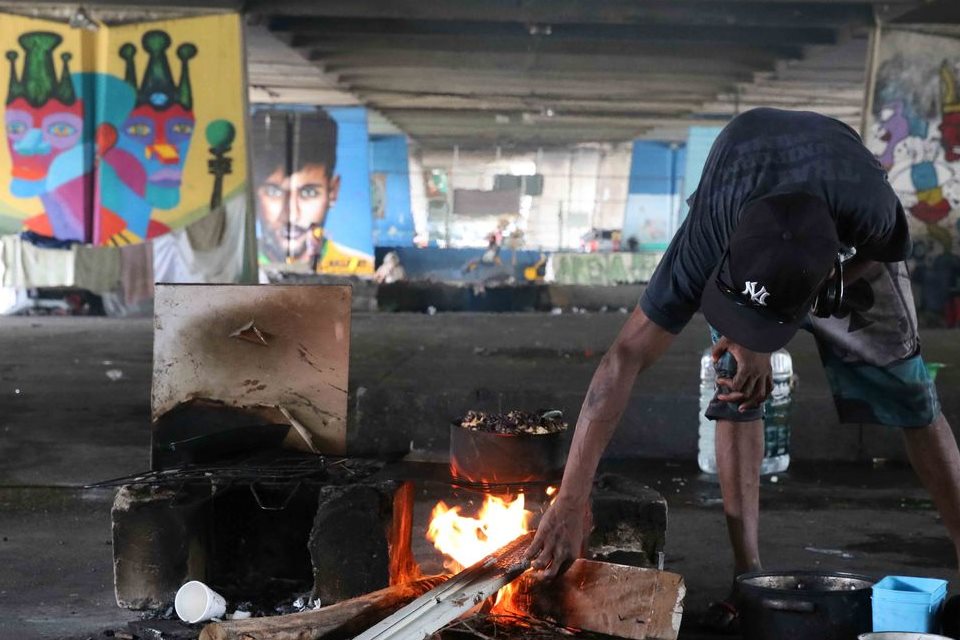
721 617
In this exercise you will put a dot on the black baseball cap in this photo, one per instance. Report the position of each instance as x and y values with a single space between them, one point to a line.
778 258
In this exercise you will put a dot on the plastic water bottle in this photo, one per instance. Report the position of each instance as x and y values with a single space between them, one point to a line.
706 448
776 410
776 415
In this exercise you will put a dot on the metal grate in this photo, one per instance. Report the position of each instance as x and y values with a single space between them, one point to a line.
270 467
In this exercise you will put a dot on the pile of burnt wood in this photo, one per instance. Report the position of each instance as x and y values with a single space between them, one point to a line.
589 598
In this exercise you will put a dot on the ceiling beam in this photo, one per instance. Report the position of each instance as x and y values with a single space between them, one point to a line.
639 88
660 12
718 108
423 31
847 95
465 119
293 95
600 66
936 11
343 43
489 102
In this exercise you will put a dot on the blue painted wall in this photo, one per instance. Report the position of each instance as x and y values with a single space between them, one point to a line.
388 158
699 141
656 173
349 219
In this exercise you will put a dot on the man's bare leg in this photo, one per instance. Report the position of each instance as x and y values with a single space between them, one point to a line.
935 458
739 454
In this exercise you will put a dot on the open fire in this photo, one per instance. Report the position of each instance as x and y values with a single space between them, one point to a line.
465 540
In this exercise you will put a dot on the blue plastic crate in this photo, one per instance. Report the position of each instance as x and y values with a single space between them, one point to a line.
902 603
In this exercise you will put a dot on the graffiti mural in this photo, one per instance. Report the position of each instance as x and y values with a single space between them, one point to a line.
914 130
312 190
125 147
602 269
44 120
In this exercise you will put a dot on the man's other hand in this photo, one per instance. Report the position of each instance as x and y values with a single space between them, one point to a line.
754 379
559 537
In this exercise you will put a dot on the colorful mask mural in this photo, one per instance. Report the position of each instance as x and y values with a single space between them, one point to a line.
44 120
312 190
108 154
914 130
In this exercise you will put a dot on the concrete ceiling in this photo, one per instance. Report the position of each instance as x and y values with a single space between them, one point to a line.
523 74
530 73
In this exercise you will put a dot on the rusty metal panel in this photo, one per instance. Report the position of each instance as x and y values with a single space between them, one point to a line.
256 344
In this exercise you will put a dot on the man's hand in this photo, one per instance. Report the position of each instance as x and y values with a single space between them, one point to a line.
754 379
559 537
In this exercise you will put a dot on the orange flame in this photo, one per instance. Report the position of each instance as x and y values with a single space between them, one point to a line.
465 540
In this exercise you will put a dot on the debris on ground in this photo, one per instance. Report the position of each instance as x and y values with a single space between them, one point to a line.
830 552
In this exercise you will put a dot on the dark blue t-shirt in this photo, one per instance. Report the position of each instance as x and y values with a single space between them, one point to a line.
764 152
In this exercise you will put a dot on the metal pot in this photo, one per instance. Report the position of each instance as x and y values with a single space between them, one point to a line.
802 605
481 457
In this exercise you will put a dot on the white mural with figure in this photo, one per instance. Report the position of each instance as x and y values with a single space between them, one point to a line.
914 130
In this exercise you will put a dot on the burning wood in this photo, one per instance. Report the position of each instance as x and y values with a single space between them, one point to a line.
431 612
466 540
339 620
596 597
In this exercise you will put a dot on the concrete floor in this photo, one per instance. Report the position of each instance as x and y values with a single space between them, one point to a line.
64 424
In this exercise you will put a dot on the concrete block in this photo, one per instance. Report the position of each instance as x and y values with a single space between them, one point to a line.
349 544
629 522
158 543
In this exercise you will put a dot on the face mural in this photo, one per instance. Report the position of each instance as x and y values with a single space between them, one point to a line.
159 129
296 185
294 209
44 129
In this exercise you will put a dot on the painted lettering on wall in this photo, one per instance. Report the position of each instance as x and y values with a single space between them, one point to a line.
602 269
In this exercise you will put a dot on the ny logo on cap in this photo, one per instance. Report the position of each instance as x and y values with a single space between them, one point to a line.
756 297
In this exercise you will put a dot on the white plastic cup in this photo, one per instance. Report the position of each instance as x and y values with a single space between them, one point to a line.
196 602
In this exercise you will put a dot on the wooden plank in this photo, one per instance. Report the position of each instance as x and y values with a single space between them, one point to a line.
341 620
628 602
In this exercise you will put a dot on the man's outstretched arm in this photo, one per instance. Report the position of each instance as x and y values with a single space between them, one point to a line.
560 535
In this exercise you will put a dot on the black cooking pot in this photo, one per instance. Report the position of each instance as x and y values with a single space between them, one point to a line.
804 605
482 457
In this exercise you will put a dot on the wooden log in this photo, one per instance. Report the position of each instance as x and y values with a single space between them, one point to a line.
613 599
341 620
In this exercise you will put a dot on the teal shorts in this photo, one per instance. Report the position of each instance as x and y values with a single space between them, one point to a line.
871 354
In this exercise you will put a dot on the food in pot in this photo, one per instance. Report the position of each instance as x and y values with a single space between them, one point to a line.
514 422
